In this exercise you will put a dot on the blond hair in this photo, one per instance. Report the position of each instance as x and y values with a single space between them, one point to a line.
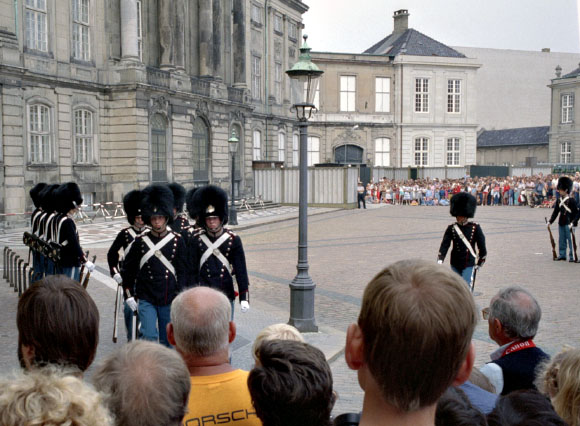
566 401
50 396
279 331
417 320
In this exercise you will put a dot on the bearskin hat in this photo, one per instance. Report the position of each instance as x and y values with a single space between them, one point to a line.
157 201
463 204
565 183
190 203
48 199
68 196
210 200
132 205
35 193
178 195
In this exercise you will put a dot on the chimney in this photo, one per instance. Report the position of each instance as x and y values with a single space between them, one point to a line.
401 18
558 71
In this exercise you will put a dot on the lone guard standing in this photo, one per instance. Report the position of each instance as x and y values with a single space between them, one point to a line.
155 268
124 240
218 254
465 236
565 206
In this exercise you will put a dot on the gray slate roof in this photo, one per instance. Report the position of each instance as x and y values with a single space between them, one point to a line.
574 73
511 137
412 42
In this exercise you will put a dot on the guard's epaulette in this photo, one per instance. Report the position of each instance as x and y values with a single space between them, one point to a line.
175 234
232 233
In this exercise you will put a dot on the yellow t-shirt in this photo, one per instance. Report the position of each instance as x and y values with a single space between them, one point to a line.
221 399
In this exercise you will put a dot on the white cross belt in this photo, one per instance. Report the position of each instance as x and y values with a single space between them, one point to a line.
213 248
156 250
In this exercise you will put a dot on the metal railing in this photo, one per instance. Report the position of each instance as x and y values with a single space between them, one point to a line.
17 271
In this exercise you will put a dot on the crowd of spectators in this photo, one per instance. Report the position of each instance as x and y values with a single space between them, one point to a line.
411 347
533 191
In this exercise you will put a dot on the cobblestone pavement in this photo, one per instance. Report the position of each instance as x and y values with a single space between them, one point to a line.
346 249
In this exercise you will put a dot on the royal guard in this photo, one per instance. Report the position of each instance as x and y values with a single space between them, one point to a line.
180 223
37 260
65 233
217 253
469 252
48 204
155 269
124 240
566 210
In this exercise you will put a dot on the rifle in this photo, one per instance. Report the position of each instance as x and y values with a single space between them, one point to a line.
554 255
574 246
473 274
118 301
86 280
83 268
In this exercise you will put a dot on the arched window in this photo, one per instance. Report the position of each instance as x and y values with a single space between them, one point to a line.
200 152
348 154
158 148
84 136
39 134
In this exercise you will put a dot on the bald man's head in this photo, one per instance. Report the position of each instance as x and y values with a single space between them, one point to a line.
200 318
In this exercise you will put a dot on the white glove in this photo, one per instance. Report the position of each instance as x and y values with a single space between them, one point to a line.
548 225
117 277
90 266
244 306
131 303
440 262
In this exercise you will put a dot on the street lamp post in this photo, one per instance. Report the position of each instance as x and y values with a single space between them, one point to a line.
304 75
233 147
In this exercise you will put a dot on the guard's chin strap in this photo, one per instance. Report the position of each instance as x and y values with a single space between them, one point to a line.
217 233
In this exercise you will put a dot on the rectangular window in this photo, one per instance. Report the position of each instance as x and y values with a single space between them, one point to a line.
278 82
566 152
567 108
39 134
382 94
278 23
421 151
453 151
421 95
81 41
453 96
292 31
256 77
347 92
36 32
295 151
257 151
139 31
281 146
83 137
382 152
313 150
256 14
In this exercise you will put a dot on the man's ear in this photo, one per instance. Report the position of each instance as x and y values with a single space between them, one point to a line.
28 355
466 367
353 351
170 334
232 332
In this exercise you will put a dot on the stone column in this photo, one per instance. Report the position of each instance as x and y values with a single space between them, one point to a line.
239 42
165 34
179 44
218 48
205 38
129 49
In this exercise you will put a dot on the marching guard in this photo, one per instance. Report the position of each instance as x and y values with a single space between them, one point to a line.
124 240
566 210
65 234
155 268
465 236
180 223
37 260
217 253
48 205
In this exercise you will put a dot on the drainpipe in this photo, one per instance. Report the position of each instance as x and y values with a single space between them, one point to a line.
16 18
401 122
266 73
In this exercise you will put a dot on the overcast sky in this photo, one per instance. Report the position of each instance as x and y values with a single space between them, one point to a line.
354 25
